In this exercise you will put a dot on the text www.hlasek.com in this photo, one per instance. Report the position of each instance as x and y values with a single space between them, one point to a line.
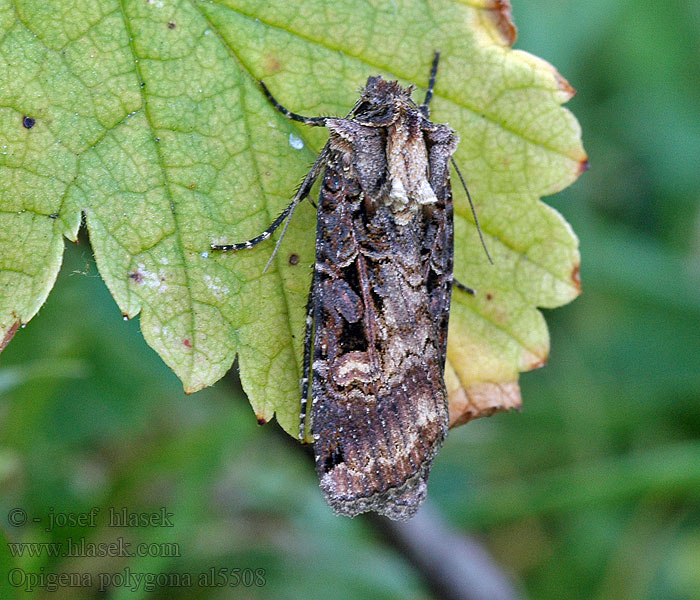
81 548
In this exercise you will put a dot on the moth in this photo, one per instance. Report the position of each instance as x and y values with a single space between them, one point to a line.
378 310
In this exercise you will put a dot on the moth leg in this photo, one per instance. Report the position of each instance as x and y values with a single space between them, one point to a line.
313 121
425 107
460 286
302 192
260 238
306 366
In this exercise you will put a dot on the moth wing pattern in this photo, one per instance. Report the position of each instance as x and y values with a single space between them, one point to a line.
381 296
376 332
439 246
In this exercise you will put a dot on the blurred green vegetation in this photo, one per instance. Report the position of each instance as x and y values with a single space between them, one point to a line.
593 491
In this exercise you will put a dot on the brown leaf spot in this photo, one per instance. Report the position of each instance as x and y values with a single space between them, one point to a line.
483 399
186 342
9 334
293 259
136 275
576 277
272 65
192 186
489 296
538 364
501 13
564 85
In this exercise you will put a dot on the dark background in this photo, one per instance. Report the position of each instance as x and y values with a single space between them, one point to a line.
593 491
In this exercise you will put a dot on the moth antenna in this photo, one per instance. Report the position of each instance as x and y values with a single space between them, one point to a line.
425 107
471 204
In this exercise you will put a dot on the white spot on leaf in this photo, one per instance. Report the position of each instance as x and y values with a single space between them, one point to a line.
295 142
213 285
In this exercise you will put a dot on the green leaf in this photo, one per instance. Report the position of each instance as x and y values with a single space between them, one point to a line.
149 121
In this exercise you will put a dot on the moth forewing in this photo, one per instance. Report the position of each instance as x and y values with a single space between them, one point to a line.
376 331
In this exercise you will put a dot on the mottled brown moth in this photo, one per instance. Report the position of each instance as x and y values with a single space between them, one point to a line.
379 302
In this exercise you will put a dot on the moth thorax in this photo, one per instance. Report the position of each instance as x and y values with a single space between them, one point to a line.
407 162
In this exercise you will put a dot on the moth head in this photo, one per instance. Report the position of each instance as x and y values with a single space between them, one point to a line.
381 102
